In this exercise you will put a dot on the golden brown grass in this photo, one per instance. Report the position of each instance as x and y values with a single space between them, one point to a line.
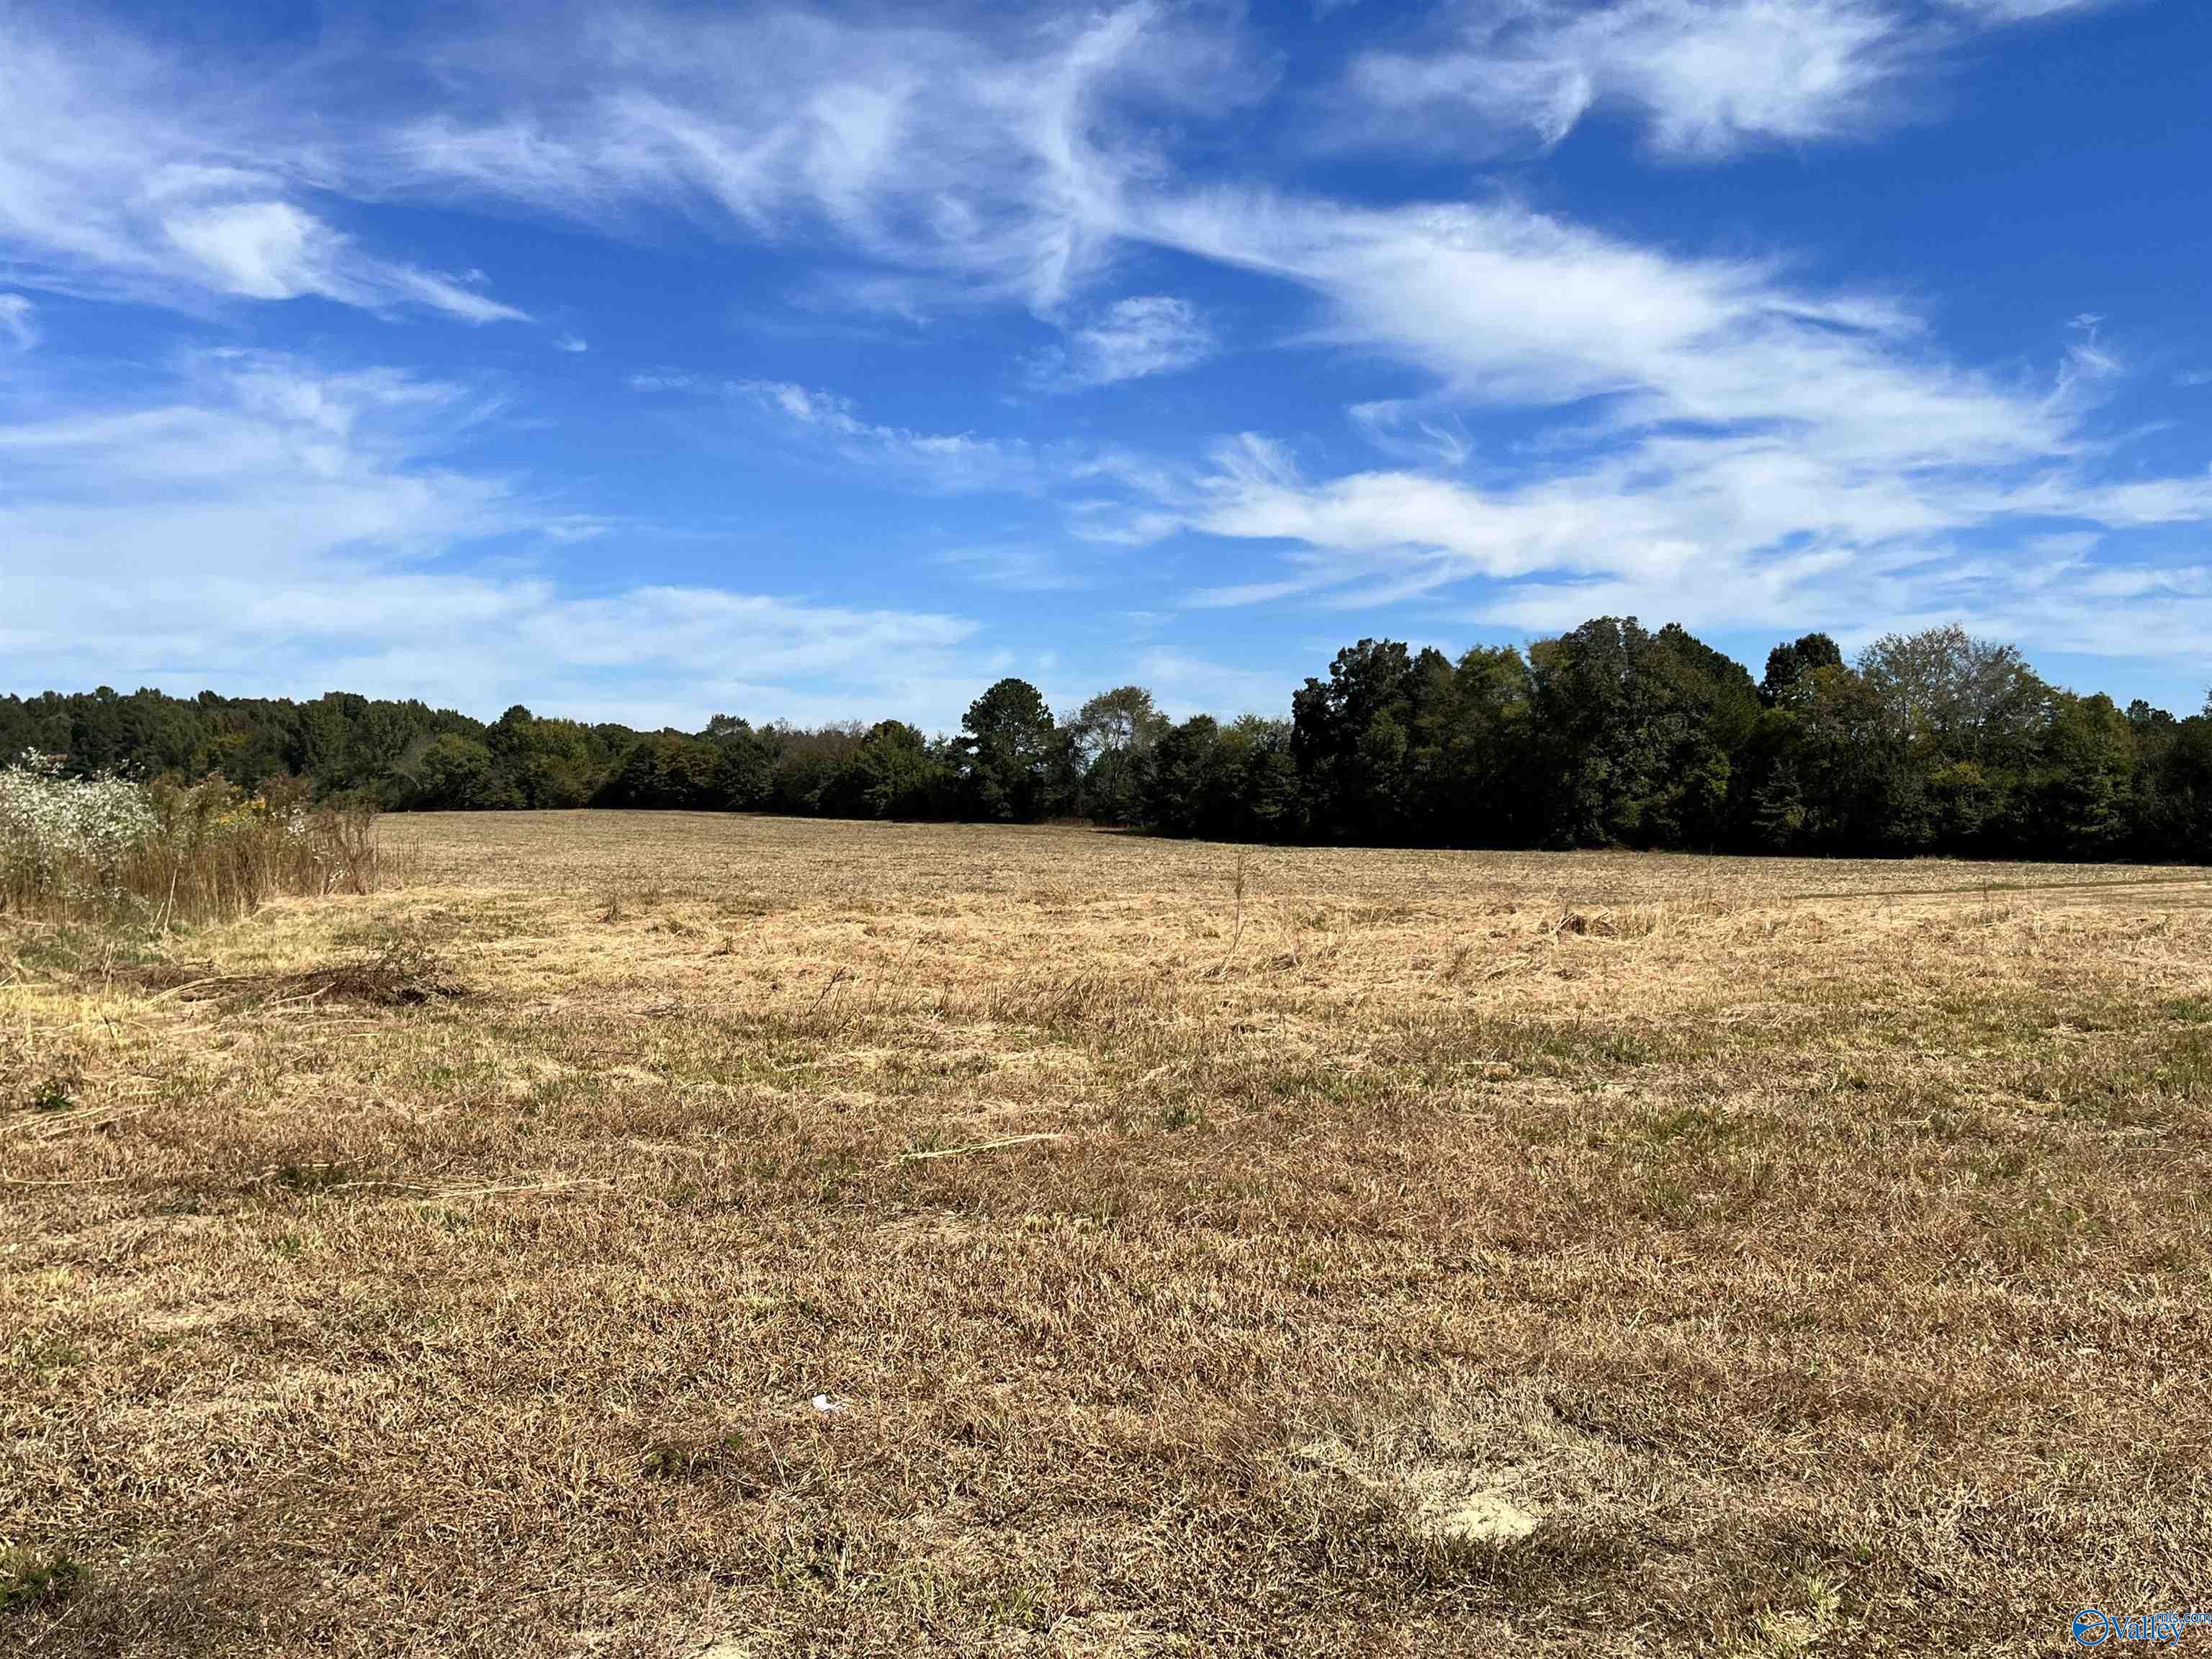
1426 1253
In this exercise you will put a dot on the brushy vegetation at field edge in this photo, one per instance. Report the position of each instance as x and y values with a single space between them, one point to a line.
1305 1252
1608 735
132 856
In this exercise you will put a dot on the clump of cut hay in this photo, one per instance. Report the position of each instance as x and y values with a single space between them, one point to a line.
398 970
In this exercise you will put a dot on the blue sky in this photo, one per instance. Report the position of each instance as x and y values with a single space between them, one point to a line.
643 363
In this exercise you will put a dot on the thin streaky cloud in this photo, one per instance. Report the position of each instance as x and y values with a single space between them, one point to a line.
1706 78
128 173
1131 339
16 320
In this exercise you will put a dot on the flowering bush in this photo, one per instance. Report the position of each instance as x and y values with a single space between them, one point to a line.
55 829
110 849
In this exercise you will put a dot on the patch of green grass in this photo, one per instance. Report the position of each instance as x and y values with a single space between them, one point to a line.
1181 1114
309 1179
2135 1087
31 1579
53 1094
42 1356
1698 1125
1021 1607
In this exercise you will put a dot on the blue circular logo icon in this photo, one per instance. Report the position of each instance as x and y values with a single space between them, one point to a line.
2091 1627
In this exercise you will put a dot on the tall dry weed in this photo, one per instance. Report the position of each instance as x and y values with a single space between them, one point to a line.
110 851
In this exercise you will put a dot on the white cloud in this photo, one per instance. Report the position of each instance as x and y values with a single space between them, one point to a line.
1695 427
1706 77
127 174
2086 356
1405 428
1505 307
262 250
2021 11
1145 335
270 527
951 463
1744 533
1193 685
1015 567
16 313
573 343
991 163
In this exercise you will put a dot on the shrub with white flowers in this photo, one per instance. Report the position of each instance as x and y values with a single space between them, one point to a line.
58 828
107 847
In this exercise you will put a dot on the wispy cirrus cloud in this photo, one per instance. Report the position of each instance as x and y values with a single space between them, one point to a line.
1688 425
1704 78
992 161
951 463
1131 339
16 314
1104 489
265 524
1016 567
2023 11
1504 307
1407 429
126 172
1685 417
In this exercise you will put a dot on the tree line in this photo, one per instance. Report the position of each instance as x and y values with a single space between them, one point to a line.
1610 735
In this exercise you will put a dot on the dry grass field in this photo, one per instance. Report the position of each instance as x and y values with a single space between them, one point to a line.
681 1236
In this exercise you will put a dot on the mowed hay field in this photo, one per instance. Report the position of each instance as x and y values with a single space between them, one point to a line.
1431 1253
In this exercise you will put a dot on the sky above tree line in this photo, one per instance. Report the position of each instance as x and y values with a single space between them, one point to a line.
640 363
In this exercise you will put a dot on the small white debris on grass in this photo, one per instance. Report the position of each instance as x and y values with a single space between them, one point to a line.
1445 1508
1452 1503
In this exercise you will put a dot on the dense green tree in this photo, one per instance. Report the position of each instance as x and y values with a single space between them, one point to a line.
1471 731
807 765
1963 717
1819 772
1014 759
552 763
1110 739
893 774
2084 781
459 774
666 771
1788 664
744 765
1353 738
1638 734
1234 783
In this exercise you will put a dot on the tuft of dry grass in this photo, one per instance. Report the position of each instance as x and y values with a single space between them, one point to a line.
856 1239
